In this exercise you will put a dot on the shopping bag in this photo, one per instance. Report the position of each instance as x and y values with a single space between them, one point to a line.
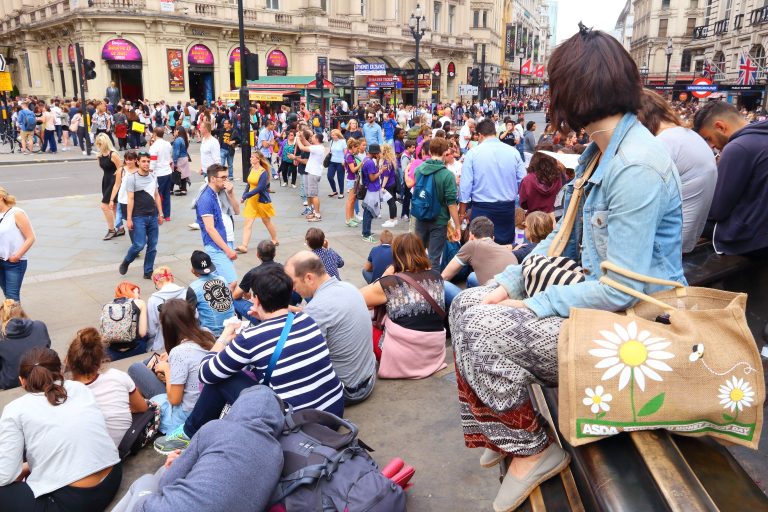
137 127
682 360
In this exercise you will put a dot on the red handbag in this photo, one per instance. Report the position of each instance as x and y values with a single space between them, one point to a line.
379 313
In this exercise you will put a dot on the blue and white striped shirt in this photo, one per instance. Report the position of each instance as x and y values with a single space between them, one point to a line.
303 375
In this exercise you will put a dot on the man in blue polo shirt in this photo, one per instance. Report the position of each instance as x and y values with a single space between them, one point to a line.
211 221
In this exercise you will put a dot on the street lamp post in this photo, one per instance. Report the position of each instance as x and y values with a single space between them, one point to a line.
245 101
644 74
521 55
668 51
416 24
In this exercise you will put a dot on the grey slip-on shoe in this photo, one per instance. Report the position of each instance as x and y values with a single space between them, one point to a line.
514 491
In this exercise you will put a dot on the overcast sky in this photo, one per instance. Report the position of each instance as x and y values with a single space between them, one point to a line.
600 14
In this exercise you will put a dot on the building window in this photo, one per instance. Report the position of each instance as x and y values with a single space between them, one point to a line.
665 4
451 16
694 4
690 26
362 8
663 27
485 19
324 5
728 5
475 19
436 17
685 62
273 4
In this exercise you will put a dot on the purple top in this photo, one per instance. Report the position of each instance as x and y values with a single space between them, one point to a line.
349 160
388 174
369 167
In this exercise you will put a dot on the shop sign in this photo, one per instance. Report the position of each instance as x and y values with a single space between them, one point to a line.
387 82
373 69
60 55
6 84
175 59
71 54
200 55
343 81
437 69
234 55
277 63
425 82
49 55
451 70
120 49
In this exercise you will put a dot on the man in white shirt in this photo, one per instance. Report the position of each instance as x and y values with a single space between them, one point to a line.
314 170
465 135
161 156
56 111
446 117
209 148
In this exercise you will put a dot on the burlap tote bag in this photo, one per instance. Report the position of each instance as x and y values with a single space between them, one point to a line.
683 360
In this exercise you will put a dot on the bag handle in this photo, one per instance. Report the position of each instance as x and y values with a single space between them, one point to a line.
278 349
608 265
639 295
560 241
432 302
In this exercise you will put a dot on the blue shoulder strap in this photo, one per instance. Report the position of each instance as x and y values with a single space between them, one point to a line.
278 349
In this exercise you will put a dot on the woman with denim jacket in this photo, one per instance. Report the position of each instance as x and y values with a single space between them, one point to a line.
630 215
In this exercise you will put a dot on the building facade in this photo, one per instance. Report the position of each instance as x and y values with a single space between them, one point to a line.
625 25
181 49
527 35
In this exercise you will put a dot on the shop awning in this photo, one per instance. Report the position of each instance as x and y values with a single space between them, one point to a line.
287 83
259 95
326 95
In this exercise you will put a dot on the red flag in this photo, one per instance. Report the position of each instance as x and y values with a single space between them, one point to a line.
539 73
526 69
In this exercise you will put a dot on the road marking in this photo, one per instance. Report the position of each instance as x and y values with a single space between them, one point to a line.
38 179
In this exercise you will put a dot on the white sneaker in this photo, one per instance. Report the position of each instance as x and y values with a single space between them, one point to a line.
85 153
194 226
304 204
359 217
293 186
390 224
283 184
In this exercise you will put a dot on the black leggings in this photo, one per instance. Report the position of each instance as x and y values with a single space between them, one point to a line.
392 203
19 498
285 169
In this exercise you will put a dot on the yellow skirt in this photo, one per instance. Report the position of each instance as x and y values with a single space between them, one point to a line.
254 209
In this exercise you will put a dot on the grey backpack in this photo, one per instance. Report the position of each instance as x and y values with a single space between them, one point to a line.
329 471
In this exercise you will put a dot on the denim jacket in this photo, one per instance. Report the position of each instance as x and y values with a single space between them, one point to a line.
179 150
631 215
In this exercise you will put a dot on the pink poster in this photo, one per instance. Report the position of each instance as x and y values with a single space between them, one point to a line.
234 55
120 49
200 55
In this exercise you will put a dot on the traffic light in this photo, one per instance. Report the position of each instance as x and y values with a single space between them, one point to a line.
251 66
90 69
474 77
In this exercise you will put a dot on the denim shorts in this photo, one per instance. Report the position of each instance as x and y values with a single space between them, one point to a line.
349 185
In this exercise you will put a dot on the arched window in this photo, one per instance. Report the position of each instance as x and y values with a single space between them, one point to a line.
719 62
758 53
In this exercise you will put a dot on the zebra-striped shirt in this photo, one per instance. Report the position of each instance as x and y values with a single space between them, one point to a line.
303 375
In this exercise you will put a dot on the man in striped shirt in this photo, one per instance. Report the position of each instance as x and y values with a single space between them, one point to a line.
302 376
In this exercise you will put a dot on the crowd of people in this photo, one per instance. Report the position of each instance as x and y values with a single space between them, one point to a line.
481 200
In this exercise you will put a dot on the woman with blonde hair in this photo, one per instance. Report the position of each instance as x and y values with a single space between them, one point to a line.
353 130
109 161
257 201
18 334
388 166
16 237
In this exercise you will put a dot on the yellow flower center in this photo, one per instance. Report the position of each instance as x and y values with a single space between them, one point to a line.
633 353
737 395
596 399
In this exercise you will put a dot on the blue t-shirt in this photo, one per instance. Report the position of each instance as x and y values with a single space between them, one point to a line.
380 258
389 128
208 204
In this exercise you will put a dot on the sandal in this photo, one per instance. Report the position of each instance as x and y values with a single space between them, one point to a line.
241 250
110 235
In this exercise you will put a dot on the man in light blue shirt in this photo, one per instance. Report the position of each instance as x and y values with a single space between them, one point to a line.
490 178
372 131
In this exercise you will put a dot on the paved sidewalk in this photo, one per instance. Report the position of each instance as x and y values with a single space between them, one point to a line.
17 158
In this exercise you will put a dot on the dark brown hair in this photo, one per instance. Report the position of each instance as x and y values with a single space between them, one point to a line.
177 319
545 167
314 238
408 254
654 110
41 370
86 352
591 77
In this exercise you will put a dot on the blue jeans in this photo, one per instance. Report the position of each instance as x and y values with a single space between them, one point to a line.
242 306
472 280
368 276
451 291
118 216
145 379
145 233
228 159
367 221
164 186
336 174
59 131
11 276
224 266
49 137
140 348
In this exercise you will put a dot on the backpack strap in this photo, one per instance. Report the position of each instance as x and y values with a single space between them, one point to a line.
432 302
278 349
323 426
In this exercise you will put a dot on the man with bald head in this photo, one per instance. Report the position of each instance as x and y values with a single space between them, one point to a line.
339 310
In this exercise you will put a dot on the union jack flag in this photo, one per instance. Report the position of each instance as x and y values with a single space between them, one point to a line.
708 72
747 70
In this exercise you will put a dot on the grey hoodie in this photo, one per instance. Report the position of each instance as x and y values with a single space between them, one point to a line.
155 331
231 464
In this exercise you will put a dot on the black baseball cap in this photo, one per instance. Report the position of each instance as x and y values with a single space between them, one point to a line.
374 149
201 263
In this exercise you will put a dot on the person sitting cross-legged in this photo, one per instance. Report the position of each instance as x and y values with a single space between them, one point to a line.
286 351
209 294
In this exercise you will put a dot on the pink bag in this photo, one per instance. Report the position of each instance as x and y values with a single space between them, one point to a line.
409 354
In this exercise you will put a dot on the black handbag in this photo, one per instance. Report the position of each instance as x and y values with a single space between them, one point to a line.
327 160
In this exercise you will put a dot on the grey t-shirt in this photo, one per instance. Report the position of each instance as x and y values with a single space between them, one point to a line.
184 361
696 165
339 310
